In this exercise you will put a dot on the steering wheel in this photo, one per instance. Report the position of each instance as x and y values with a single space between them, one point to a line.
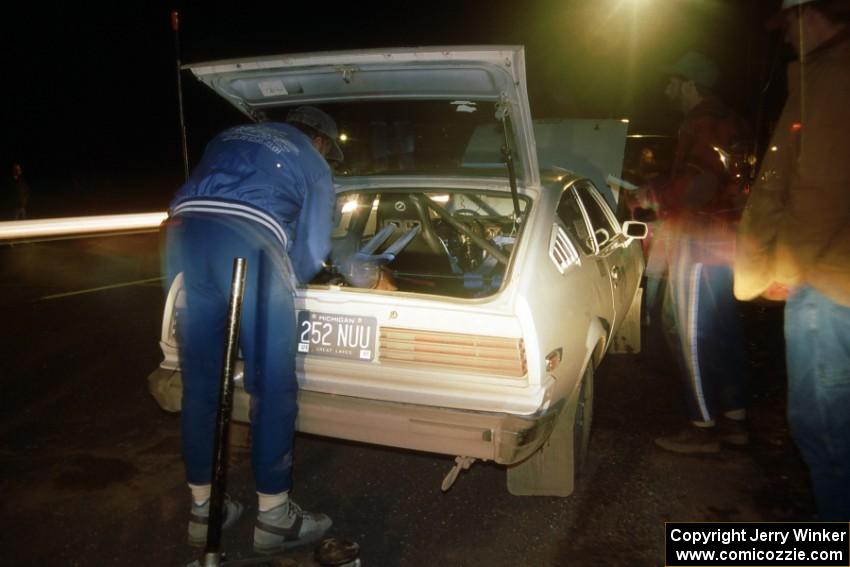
470 217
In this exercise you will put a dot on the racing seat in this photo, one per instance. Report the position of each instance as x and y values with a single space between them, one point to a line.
425 253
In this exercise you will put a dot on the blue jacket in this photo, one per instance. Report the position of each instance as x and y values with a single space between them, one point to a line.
269 173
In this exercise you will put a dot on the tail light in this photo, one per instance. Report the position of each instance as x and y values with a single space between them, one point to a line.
497 356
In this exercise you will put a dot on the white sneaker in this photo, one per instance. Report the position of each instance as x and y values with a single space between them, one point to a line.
200 518
287 526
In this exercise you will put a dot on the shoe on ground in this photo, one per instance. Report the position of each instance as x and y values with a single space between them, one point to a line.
286 527
733 431
691 440
199 519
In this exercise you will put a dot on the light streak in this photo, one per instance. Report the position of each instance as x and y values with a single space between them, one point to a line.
101 288
65 226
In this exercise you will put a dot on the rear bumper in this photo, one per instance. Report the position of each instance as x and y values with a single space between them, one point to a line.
499 437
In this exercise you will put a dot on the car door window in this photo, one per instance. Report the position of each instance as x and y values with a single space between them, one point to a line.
602 222
570 213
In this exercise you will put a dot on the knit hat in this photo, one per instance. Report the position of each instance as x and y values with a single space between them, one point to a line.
695 67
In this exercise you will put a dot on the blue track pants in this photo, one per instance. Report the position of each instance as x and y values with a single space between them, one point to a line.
202 247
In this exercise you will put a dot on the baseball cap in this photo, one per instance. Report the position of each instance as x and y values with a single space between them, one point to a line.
696 67
791 3
777 20
321 122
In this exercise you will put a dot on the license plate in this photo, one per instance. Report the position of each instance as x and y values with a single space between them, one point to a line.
340 336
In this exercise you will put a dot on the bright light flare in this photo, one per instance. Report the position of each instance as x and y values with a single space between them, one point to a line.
68 226
351 205
723 155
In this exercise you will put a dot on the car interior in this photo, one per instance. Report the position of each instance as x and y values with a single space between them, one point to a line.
453 244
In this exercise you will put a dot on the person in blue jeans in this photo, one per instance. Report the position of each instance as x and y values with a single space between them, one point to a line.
817 339
699 207
262 192
794 242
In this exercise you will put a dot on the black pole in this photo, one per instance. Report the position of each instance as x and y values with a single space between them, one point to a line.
175 26
212 554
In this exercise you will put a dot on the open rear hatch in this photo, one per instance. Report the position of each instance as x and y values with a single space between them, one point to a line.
261 87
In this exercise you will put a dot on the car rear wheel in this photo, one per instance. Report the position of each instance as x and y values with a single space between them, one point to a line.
583 421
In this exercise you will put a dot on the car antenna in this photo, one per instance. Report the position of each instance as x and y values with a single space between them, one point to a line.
175 27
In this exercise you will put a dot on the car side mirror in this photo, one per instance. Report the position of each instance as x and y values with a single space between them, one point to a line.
635 229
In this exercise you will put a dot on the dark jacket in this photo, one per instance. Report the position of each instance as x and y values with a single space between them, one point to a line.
700 178
19 192
700 202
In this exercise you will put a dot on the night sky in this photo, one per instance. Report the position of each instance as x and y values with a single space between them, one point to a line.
91 99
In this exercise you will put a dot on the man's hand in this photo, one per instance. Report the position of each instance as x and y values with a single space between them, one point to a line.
385 280
643 197
367 272
776 292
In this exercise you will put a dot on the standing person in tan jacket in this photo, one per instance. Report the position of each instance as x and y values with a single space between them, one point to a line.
794 242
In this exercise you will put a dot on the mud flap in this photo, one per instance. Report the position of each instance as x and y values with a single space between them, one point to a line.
550 470
627 339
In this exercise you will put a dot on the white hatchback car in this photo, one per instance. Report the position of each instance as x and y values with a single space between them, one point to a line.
504 283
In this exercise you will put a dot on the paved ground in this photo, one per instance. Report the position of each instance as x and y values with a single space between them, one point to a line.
90 472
